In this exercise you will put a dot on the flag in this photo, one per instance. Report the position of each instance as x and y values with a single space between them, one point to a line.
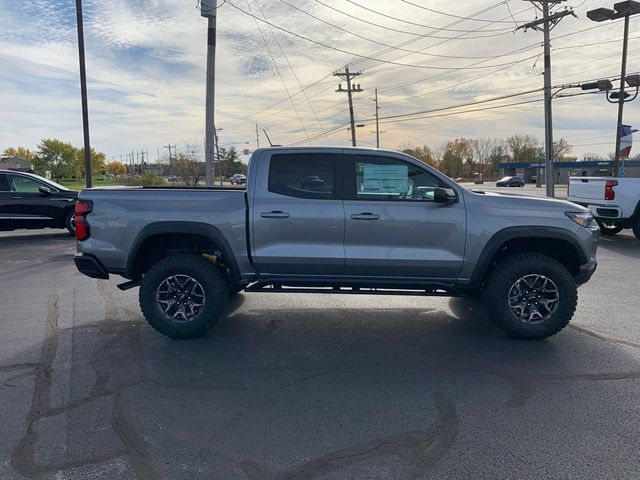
626 141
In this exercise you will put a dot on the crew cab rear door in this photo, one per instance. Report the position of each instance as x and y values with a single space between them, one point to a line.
393 227
5 202
297 217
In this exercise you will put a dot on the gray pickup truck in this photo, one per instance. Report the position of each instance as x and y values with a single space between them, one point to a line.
338 221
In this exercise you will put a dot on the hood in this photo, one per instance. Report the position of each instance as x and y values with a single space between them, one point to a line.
523 202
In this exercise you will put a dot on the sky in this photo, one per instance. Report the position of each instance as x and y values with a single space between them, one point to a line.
146 68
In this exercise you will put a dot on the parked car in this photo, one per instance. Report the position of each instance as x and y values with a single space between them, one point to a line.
615 202
238 179
370 222
31 201
510 182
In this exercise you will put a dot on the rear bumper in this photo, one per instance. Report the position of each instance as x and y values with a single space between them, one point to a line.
90 266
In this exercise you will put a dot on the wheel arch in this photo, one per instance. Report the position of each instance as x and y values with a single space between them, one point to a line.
156 239
554 242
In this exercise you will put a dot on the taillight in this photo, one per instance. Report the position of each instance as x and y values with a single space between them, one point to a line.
609 193
83 208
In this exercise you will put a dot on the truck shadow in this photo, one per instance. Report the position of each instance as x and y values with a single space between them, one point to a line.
309 392
623 244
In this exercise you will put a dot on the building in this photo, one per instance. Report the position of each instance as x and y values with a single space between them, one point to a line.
563 170
16 163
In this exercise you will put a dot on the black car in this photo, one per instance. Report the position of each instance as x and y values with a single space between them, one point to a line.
30 201
510 182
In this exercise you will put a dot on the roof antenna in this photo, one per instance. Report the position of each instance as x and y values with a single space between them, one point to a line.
268 139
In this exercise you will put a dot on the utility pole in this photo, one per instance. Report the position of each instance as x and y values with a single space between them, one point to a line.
377 124
257 137
83 93
208 9
350 91
548 21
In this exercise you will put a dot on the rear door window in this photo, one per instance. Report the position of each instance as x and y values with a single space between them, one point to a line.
307 175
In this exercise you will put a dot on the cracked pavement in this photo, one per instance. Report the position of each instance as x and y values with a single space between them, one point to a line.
310 386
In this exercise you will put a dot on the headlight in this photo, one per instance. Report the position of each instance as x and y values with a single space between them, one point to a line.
583 219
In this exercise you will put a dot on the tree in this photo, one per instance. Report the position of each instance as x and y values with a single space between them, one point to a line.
118 169
97 161
57 157
18 152
424 154
560 150
524 148
457 158
230 161
186 169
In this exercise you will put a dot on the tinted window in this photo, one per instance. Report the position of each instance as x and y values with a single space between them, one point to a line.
379 178
23 184
4 183
303 175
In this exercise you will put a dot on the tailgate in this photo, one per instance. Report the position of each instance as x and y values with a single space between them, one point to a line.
582 189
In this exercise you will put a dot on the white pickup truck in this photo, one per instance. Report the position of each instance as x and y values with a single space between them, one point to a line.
614 201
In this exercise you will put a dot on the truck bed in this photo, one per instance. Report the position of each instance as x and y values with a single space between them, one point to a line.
120 214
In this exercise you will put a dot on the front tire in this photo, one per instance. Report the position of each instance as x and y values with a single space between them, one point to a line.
636 229
530 296
609 229
183 296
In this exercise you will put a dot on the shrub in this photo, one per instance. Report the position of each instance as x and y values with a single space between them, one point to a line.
146 180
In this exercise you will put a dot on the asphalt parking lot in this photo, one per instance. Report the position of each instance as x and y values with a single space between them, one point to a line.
310 386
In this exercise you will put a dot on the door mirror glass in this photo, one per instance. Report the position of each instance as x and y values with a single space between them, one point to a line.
44 190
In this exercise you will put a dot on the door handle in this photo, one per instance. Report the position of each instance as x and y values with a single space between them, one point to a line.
365 216
274 214
16 198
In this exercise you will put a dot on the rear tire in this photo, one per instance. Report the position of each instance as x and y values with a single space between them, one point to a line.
69 222
636 229
609 229
519 296
183 296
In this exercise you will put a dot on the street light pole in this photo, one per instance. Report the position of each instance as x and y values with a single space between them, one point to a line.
622 9
623 73
83 93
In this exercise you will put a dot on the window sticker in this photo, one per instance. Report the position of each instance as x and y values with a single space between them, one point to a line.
384 179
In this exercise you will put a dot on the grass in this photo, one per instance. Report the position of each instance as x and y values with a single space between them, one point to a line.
79 183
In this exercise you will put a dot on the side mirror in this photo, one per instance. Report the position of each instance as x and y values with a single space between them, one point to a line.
44 190
444 195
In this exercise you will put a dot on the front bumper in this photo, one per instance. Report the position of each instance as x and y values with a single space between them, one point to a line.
586 271
90 266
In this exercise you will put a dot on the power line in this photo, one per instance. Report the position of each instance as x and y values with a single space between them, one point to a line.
404 31
295 75
353 54
284 84
455 16
394 47
484 10
408 22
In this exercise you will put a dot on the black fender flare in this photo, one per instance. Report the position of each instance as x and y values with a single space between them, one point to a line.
196 228
497 241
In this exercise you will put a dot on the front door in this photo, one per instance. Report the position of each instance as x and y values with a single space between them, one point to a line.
393 227
297 215
30 208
